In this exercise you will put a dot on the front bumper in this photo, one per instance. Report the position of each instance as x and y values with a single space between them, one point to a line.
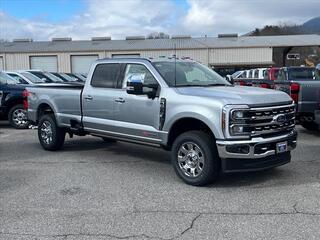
260 153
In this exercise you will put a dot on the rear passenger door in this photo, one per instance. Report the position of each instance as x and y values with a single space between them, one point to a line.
98 98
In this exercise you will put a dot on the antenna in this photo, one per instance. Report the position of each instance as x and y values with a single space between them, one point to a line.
175 65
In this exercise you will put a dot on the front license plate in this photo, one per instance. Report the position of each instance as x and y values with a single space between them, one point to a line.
282 147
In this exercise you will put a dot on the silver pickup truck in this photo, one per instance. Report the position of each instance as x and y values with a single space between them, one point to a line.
209 125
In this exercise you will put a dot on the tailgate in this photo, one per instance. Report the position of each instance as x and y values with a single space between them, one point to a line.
309 96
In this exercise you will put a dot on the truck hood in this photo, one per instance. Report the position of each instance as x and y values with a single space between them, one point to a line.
238 95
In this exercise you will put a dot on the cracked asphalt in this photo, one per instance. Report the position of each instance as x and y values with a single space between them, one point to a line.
95 190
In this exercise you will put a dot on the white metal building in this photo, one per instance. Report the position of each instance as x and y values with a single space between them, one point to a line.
65 55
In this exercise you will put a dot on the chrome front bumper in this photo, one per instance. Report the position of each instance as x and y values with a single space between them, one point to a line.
266 146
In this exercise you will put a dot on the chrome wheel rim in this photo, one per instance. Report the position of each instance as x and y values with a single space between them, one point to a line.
190 159
46 132
19 117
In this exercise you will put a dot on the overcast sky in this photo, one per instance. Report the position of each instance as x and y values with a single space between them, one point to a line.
83 19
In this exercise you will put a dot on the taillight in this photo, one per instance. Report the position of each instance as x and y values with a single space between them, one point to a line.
25 95
294 92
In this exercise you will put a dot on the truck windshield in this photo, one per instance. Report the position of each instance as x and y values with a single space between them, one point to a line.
301 73
185 74
6 79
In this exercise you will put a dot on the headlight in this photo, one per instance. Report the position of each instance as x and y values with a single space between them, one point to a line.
237 114
235 121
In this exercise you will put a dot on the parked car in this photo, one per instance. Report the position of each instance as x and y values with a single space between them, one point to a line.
24 77
300 84
63 78
78 76
259 73
208 124
12 102
45 76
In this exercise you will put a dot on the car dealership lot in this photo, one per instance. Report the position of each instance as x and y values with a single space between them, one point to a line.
97 190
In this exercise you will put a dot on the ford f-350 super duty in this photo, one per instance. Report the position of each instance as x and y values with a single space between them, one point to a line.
209 125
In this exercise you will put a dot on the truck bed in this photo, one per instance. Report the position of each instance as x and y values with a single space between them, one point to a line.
64 98
309 94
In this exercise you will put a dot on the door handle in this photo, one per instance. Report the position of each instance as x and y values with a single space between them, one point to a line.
88 97
120 100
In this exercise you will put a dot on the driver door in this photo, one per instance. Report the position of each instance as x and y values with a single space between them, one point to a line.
137 116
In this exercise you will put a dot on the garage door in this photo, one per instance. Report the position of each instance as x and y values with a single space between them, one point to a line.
82 64
1 63
46 63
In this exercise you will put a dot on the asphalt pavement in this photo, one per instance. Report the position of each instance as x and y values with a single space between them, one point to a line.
97 190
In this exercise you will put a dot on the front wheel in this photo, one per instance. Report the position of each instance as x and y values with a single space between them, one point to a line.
18 117
195 158
50 135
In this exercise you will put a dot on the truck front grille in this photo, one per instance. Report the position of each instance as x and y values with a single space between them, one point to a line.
267 120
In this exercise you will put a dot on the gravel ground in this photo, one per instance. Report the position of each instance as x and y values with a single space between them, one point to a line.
95 190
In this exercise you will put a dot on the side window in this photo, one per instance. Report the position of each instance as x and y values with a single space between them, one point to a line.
256 74
138 69
250 74
105 75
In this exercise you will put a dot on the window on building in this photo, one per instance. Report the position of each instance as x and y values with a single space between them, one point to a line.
105 75
45 63
81 64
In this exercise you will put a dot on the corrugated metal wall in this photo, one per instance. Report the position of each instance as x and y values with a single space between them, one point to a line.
238 56
215 57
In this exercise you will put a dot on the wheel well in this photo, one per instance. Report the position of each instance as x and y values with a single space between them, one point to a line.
184 125
12 104
42 110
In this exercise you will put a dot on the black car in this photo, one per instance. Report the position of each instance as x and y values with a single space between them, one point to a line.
12 102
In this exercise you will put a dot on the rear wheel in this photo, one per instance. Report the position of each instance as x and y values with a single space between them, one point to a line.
18 117
195 158
51 136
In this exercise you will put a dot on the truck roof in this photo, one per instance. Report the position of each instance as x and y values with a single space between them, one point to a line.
142 59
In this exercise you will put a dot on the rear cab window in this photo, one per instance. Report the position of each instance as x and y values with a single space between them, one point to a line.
106 75
301 74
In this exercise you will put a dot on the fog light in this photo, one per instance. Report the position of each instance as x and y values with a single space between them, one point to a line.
237 129
242 149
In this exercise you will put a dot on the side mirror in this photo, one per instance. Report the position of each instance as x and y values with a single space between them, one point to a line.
135 84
